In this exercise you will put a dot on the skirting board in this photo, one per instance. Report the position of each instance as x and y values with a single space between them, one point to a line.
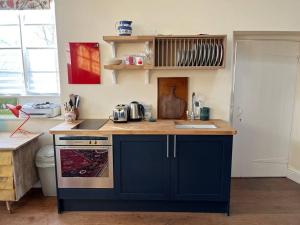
294 175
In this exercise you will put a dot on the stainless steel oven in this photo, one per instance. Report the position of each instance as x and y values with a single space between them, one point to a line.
84 161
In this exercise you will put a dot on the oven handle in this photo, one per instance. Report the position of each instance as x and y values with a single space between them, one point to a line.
82 138
73 147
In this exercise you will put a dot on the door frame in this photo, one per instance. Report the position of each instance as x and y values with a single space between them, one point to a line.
288 36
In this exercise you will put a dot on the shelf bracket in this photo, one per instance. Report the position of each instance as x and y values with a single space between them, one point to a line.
147 76
114 77
114 50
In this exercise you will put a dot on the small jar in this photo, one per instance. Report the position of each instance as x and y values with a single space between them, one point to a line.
204 113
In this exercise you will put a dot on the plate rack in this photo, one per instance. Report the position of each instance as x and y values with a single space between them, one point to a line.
190 52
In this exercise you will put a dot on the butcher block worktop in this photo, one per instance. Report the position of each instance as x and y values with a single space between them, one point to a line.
144 127
15 142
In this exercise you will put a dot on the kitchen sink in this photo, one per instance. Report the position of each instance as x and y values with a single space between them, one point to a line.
195 126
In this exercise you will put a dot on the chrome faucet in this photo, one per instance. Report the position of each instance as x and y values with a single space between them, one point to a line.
193 106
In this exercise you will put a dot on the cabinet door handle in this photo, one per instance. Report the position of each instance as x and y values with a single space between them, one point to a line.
174 146
167 146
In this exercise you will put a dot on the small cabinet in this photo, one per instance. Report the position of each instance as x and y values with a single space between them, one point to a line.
142 167
201 168
173 167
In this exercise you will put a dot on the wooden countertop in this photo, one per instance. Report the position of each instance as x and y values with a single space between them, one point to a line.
8 143
144 127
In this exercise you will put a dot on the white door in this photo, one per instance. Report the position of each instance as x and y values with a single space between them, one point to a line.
265 81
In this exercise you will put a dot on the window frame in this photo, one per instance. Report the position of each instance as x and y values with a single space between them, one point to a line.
25 58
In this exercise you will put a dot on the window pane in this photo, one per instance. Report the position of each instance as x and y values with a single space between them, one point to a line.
43 83
10 36
12 83
42 60
9 17
39 36
38 17
11 60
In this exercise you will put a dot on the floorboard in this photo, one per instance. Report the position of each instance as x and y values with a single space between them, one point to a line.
254 201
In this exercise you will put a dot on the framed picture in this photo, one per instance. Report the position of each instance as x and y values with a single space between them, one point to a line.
3 102
83 63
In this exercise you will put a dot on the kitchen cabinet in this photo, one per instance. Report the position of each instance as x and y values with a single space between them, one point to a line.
177 168
141 167
157 167
201 168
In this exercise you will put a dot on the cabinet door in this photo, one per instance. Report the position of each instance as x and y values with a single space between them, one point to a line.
141 167
201 168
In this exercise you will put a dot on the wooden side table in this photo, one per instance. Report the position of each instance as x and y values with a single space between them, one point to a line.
17 166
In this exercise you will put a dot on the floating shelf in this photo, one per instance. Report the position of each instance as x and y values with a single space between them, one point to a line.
116 68
128 39
187 67
128 67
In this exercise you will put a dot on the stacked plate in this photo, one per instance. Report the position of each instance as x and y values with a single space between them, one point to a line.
204 52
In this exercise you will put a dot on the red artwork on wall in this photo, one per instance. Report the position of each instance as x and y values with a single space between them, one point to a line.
83 63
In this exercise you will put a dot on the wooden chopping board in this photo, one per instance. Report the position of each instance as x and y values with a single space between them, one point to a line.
172 97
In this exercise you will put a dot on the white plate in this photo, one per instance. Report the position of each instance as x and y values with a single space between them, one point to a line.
178 57
212 54
200 54
217 54
204 54
196 53
221 55
207 55
192 54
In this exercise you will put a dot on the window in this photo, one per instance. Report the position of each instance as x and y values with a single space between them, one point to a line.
28 53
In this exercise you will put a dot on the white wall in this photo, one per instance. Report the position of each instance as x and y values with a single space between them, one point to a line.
89 20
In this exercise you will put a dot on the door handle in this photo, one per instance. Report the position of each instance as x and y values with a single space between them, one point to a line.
174 146
167 146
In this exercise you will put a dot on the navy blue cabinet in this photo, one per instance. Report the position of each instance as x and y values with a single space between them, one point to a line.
141 167
173 167
162 173
201 168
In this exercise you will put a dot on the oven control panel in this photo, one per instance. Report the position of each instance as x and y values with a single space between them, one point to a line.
83 140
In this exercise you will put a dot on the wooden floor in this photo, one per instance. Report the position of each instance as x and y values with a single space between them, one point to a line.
259 201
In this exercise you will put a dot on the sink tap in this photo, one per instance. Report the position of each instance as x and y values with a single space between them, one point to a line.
193 106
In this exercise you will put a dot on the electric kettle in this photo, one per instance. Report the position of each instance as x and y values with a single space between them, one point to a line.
136 111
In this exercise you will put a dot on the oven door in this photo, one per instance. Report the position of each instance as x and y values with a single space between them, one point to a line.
84 166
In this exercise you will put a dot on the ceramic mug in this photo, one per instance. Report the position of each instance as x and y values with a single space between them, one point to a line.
139 60
129 60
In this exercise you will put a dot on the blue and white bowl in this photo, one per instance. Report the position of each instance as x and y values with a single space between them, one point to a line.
124 31
124 28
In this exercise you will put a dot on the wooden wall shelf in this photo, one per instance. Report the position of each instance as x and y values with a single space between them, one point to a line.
187 67
128 39
174 52
128 67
